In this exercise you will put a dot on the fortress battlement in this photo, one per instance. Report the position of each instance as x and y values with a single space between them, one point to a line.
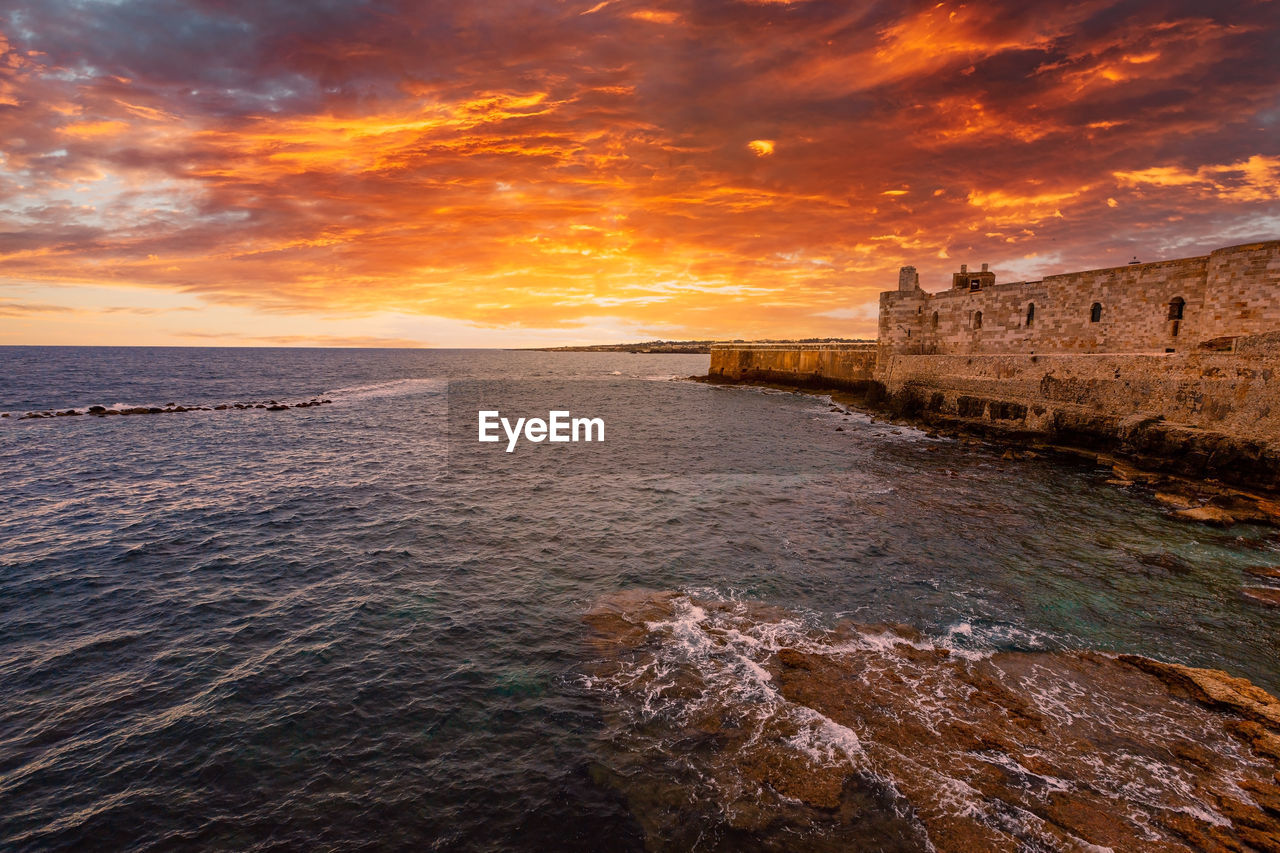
1174 361
1161 306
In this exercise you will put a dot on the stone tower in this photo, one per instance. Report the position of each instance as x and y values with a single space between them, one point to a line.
908 280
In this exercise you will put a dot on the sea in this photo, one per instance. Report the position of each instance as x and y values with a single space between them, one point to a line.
353 626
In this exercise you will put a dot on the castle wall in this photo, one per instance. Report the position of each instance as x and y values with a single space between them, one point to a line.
1243 296
1234 291
1209 391
1126 383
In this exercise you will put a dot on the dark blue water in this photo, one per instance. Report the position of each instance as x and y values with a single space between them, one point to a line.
336 628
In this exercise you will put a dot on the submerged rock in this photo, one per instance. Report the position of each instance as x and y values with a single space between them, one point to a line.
1264 571
169 408
1164 560
733 726
1263 595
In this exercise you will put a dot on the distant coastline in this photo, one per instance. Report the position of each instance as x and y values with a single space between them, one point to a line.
685 347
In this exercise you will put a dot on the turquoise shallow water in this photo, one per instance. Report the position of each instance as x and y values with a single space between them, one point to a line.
346 627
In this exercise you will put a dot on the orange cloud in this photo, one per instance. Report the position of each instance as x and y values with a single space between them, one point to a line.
1255 179
531 167
91 129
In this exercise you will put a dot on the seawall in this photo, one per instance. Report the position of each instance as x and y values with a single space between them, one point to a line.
849 367
1201 414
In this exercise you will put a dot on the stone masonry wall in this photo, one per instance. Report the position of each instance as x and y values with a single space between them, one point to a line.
1233 291
833 365
1209 391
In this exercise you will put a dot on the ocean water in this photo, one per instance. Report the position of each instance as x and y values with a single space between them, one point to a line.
353 627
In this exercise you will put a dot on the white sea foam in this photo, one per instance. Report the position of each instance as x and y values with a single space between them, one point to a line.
392 388
708 662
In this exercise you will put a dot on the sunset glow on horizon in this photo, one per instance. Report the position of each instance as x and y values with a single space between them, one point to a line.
541 173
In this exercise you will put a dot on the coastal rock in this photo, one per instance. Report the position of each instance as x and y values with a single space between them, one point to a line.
168 408
1214 687
1205 515
1263 595
725 716
1125 471
1264 571
1247 508
1174 500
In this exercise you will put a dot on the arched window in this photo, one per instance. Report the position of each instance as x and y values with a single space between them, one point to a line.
1031 313
1176 306
935 319
1095 312
977 319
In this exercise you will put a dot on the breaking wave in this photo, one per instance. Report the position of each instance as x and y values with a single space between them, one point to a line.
726 716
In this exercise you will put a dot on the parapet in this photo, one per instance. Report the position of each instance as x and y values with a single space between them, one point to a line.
1156 307
965 280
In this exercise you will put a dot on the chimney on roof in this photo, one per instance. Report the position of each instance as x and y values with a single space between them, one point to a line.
984 267
964 268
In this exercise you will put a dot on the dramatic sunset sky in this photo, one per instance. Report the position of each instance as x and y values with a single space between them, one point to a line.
528 172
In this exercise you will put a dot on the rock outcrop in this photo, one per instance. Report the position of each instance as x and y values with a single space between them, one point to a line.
170 408
732 725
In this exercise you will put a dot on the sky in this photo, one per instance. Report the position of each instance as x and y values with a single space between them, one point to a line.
543 172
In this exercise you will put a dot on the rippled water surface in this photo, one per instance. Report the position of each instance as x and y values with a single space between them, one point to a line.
336 628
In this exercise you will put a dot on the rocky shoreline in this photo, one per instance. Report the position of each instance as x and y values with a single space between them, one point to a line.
738 725
1194 500
1186 490
1146 440
167 409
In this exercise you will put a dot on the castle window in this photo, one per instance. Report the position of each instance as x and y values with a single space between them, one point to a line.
1031 313
1176 305
975 284
977 319
935 319
1095 312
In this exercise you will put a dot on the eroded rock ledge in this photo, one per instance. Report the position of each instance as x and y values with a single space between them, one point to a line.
738 726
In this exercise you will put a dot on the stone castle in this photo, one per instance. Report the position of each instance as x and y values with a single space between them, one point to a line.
1166 306
1176 362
